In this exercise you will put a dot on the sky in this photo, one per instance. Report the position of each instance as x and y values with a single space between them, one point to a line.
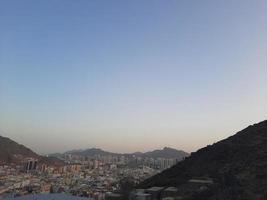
130 76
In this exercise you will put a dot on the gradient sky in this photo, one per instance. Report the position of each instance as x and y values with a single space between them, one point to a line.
131 75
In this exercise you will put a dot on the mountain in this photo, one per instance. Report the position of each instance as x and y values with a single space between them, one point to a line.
160 153
12 152
166 152
94 152
236 165
91 152
74 151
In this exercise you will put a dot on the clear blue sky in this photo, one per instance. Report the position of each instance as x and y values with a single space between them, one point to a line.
130 75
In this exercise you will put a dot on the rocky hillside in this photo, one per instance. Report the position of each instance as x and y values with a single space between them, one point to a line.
12 152
237 165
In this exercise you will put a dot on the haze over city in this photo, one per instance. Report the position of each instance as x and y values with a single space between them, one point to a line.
130 76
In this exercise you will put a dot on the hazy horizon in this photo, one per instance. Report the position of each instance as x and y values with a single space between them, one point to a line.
130 76
143 150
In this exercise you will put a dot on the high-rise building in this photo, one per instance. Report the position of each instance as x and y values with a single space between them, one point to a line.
31 165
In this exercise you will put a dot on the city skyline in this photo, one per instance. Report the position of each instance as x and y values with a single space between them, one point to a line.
130 76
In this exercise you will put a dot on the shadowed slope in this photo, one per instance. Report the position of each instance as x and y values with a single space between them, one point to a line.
239 162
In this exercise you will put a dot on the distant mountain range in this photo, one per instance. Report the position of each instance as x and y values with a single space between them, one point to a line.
12 152
166 152
238 166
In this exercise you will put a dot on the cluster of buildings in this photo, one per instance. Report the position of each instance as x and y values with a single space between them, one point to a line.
97 177
157 163
130 160
92 179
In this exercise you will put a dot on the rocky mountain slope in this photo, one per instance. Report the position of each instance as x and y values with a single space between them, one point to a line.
12 152
237 165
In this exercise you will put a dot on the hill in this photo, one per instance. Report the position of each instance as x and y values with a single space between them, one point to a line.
90 152
166 152
237 165
95 151
12 152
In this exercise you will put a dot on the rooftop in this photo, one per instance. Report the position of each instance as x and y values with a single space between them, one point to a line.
59 196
